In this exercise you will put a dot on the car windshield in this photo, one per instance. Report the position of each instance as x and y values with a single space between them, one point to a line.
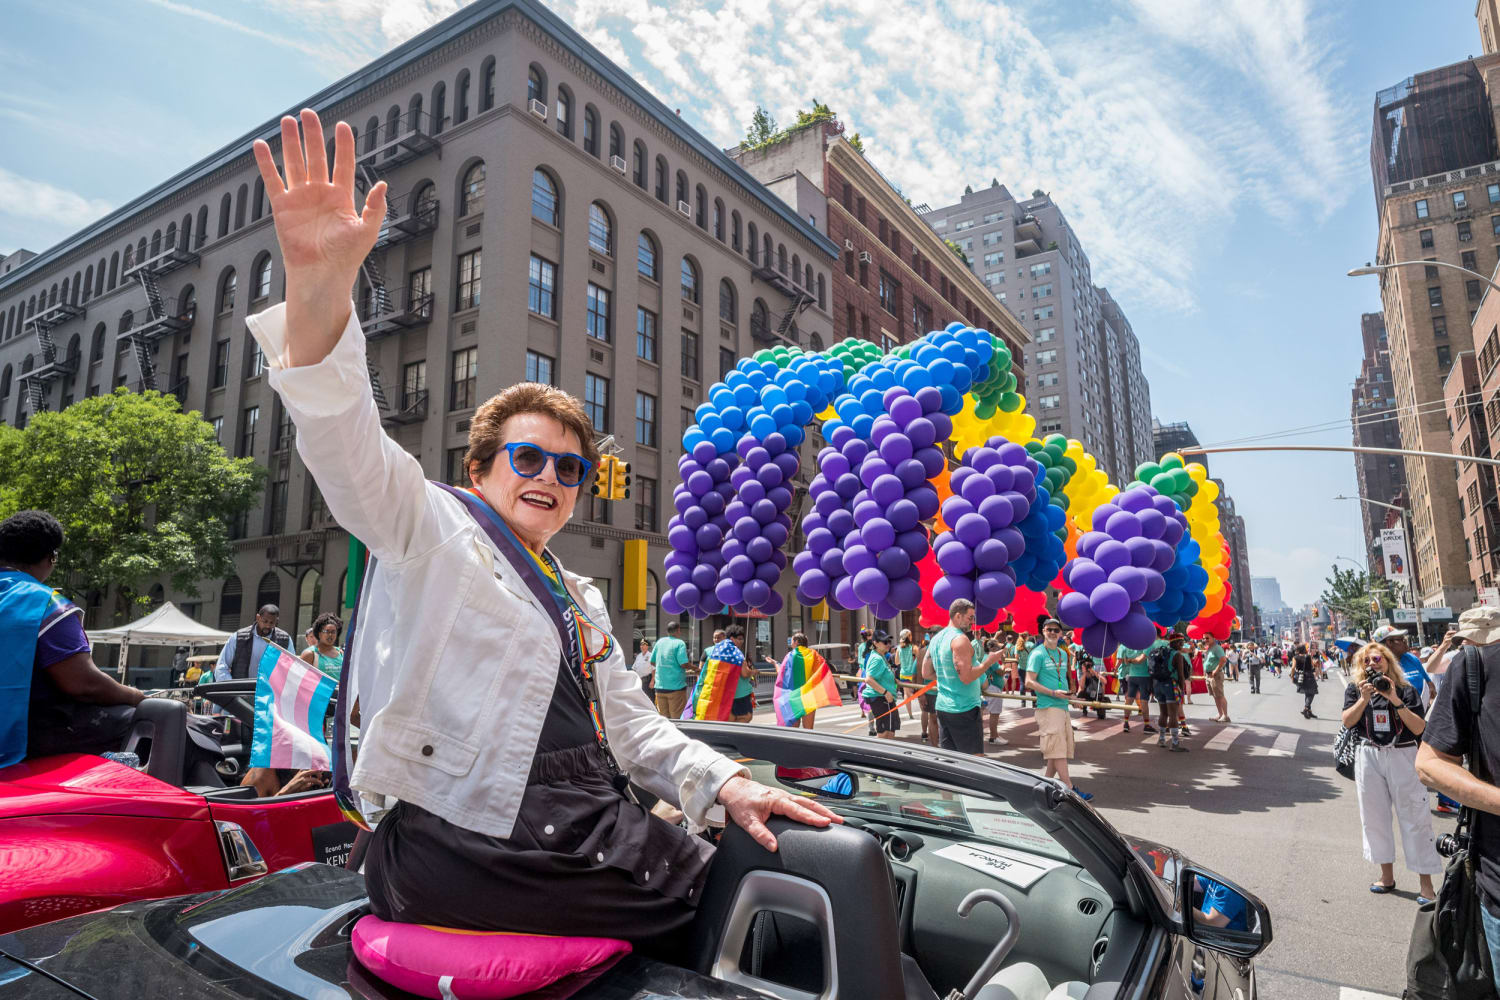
901 801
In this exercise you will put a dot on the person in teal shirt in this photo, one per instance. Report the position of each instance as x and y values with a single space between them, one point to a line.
1135 678
669 656
325 653
1213 670
879 689
906 659
950 660
1047 676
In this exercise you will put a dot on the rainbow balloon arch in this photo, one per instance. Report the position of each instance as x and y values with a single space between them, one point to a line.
933 487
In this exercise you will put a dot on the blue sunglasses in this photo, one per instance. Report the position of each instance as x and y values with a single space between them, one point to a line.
528 460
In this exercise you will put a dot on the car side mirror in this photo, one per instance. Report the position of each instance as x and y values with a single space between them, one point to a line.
822 782
1220 915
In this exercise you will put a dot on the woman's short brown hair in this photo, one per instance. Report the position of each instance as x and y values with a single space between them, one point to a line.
486 431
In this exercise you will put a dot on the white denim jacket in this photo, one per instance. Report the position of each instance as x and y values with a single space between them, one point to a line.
455 659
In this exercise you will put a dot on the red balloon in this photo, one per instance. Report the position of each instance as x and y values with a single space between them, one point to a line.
929 615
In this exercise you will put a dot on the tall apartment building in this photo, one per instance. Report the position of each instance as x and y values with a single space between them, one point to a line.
1175 437
1436 171
615 252
1372 414
1232 527
10 261
1464 408
1083 369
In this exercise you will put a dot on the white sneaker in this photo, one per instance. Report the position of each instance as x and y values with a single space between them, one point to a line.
1000 741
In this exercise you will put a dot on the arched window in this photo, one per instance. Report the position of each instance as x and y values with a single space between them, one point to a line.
241 197
114 267
129 262
156 243
185 233
439 106
822 294
639 167
372 133
807 278
96 344
392 129
770 257
650 619
487 83
471 193
754 235
140 250
601 238
690 290
75 351
231 603
719 219
536 84
88 282
728 307
65 290
700 210
202 229
414 121
170 241
661 179
544 197
260 287
227 286
645 257
224 215
268 591
461 97
127 321
564 111
682 187
257 200
760 319
187 303
590 130
99 272
814 340
424 199
5 382
781 257
616 140
734 230
309 596
796 268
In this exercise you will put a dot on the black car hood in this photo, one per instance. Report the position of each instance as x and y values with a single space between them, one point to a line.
285 936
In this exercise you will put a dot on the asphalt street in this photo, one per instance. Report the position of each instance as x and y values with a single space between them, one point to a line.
1258 801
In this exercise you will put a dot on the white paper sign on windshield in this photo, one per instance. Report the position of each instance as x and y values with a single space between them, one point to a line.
1020 870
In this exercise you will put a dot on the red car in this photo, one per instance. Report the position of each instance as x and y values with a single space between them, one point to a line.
79 832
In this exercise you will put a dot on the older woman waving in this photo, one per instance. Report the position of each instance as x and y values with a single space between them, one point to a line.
502 728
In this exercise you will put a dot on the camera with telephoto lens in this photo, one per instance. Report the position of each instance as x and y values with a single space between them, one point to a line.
1450 844
1381 682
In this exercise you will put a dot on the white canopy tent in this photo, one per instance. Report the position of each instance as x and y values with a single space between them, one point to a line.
166 626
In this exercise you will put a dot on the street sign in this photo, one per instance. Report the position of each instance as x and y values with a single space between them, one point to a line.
1408 616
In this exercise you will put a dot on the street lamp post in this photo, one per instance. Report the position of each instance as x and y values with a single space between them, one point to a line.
1412 583
1359 272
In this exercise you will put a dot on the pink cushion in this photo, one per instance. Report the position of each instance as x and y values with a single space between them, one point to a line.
445 963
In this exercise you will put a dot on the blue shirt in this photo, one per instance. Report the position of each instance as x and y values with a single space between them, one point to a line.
1412 668
257 650
1228 902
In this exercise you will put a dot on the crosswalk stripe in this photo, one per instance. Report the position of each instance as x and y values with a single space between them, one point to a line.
1225 737
1103 732
1285 746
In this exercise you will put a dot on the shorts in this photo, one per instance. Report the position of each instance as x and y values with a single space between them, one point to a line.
1216 685
961 731
1165 692
671 703
743 706
1138 687
993 705
1056 733
929 701
886 721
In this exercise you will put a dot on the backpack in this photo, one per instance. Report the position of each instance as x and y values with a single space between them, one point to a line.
1161 665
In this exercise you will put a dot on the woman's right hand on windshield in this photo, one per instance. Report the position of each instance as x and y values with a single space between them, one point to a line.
323 238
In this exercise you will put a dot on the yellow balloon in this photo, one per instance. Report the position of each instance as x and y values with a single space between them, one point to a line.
1197 471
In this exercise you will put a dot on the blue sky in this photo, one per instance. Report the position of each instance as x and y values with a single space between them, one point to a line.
1213 155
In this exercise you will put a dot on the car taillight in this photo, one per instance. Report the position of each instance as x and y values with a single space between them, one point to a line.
241 858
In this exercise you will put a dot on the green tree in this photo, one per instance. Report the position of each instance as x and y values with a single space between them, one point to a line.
762 130
144 491
958 251
859 145
1350 592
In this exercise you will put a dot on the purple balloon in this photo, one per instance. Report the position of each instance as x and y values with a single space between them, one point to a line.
932 460
1002 477
781 497
703 577
764 511
740 568
1074 610
776 533
1083 575
1135 500
669 602
1135 630
1141 552
1156 586
913 543
812 586
1122 526
951 588
759 549
977 489
871 586
972 529
1163 556
769 572
734 510
788 463
682 538
878 534
956 507
995 590
872 469
906 595
841 434
983 457
683 500
905 409
1173 532
843 594
956 559
1099 640
926 499
855 450
942 425
1132 579
893 562
804 562
886 490
1020 504
744 529
678 575
773 604
903 515
700 483
857 558
896 448
834 466
866 512
1152 521
991 554
1109 602
841 522
1110 556
832 563
1102 514
756 593
687 595
704 452
1013 540
729 591
714 503
756 456
774 443
911 473
922 433
997 511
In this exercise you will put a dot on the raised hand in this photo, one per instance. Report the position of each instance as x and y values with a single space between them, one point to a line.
323 238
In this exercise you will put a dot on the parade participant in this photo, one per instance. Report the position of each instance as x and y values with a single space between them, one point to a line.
644 667
1385 712
1166 665
669 657
324 653
906 656
1047 676
1255 660
995 677
1214 662
879 688
743 709
928 701
1135 674
241 655
1232 657
804 684
950 659
1305 679
498 734
53 699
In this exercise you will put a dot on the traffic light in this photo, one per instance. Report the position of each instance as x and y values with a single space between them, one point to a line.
619 483
602 477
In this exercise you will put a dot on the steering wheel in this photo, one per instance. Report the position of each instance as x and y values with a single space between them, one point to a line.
1007 941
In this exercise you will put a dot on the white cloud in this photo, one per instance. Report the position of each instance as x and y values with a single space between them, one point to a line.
29 199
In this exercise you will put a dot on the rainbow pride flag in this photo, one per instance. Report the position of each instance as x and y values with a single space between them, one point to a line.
291 701
804 684
713 694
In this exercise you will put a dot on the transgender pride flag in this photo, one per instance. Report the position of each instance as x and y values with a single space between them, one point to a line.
291 701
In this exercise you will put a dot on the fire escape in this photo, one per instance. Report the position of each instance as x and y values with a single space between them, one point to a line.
160 320
799 298
385 310
35 382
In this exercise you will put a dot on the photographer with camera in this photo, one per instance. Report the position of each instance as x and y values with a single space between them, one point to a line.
1385 712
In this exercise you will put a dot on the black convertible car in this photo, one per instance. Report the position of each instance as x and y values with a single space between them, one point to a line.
950 874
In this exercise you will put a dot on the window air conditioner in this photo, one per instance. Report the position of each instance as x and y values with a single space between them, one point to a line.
864 257
685 208
538 108
618 162
848 244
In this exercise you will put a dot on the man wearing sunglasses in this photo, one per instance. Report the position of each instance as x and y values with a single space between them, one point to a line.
499 739
950 659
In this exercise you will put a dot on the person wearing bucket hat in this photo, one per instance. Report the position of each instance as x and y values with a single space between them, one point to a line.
1453 731
1398 642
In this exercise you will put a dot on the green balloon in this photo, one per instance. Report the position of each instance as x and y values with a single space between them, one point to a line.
1056 439
1172 462
1055 479
1163 482
1010 402
984 411
1147 471
1035 448
1070 465
1192 488
1133 484
1180 480
1001 359
1180 500
1060 499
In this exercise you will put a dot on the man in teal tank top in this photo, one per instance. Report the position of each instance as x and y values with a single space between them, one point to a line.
950 657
